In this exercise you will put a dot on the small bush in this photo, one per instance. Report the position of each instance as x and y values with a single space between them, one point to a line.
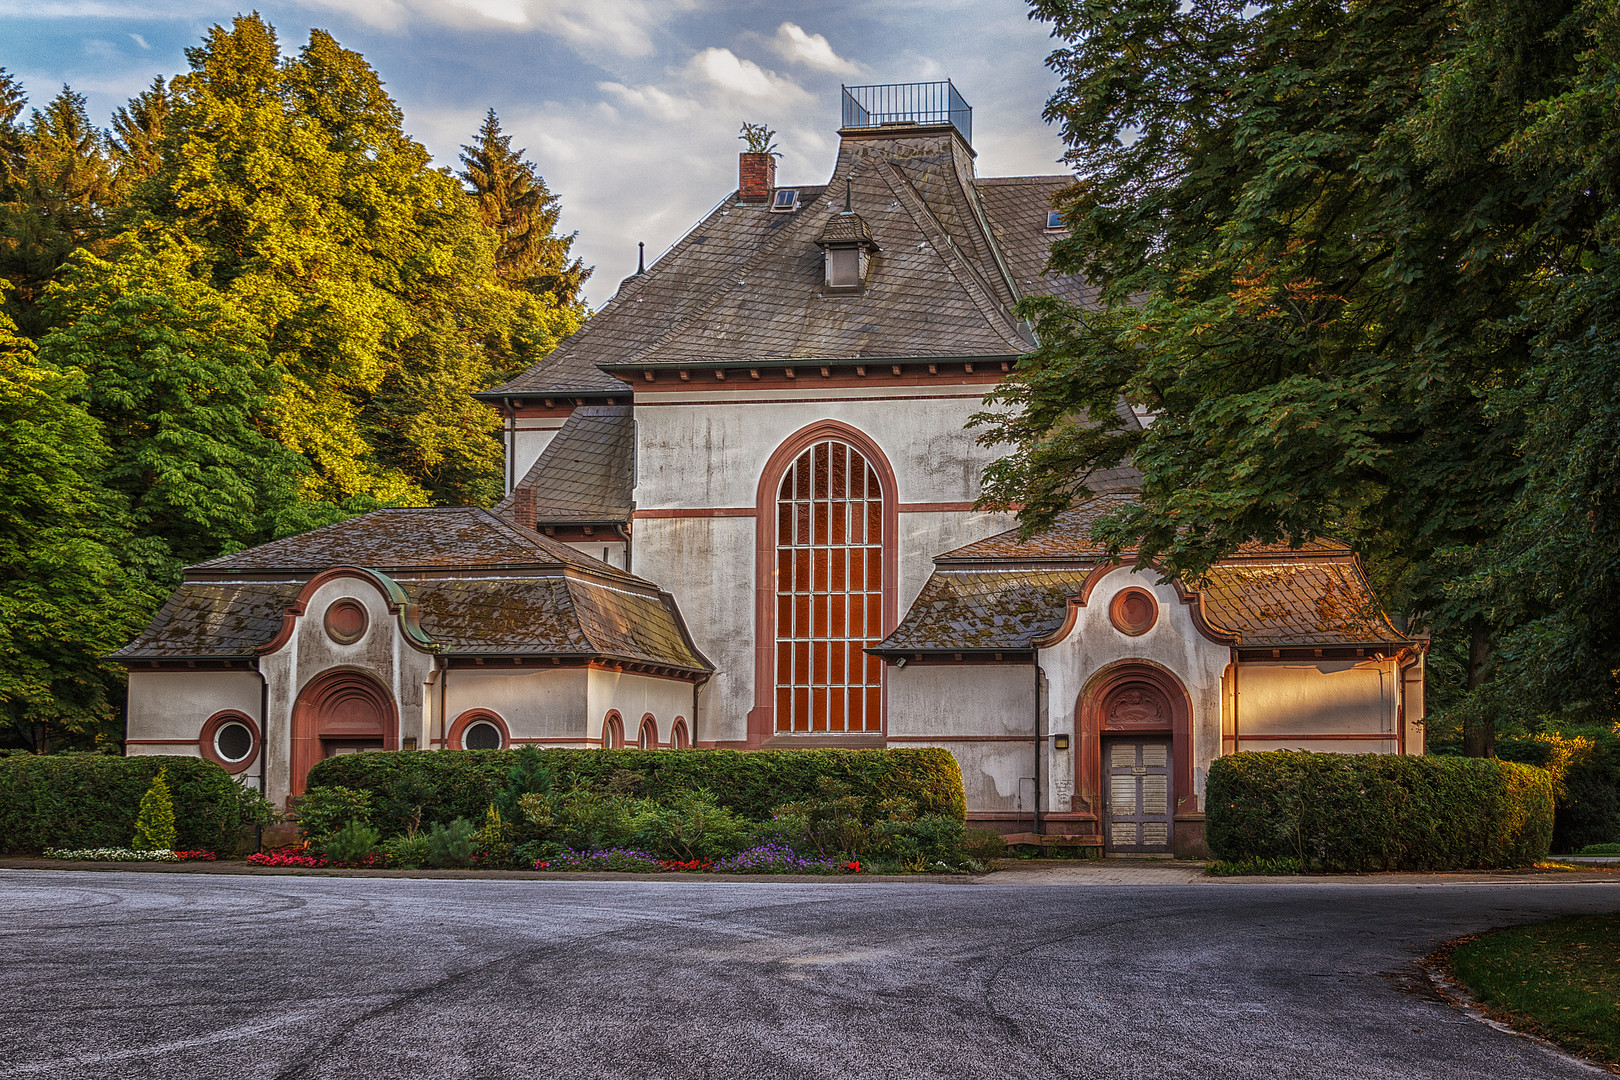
154 823
692 828
1345 812
984 844
325 811
617 860
406 852
775 859
91 800
452 845
351 844
1241 867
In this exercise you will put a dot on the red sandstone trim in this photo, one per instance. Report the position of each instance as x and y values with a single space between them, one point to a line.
459 726
1089 730
205 740
1025 739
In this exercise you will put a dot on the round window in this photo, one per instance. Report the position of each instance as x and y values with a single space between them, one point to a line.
346 621
1133 611
481 736
233 741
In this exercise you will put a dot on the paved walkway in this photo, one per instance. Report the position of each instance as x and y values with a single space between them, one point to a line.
218 976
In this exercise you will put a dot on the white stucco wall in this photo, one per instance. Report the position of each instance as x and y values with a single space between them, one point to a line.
535 703
709 452
633 697
169 705
609 551
525 444
986 713
1093 643
1279 704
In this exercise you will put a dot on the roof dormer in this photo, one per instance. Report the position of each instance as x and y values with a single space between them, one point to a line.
847 247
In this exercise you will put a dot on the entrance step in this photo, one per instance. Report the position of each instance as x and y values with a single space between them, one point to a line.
1053 840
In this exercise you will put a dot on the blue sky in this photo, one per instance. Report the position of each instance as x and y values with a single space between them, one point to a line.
629 107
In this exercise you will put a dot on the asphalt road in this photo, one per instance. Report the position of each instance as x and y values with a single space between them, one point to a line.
214 976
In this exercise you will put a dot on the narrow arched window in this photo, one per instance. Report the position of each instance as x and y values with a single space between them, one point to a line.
647 737
678 738
613 732
829 592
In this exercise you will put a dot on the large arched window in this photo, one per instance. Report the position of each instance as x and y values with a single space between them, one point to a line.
829 592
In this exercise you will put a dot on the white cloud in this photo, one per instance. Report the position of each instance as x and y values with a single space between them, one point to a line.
137 39
625 27
796 46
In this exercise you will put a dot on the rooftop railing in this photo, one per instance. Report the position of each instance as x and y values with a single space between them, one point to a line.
907 103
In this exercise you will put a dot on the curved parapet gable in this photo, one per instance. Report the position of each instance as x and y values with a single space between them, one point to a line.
399 605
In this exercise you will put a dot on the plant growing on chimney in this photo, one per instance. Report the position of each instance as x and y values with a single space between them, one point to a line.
758 137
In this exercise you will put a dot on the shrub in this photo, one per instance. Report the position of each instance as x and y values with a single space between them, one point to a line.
1242 867
751 784
452 845
324 811
85 801
692 828
1585 765
984 844
775 859
406 852
1348 812
350 844
154 823
621 860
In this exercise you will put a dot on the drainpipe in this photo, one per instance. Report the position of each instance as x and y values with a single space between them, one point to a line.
444 680
1035 662
264 745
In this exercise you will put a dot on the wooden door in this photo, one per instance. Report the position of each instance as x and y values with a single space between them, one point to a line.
1137 796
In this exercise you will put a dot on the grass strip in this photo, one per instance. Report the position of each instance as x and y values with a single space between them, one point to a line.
1557 979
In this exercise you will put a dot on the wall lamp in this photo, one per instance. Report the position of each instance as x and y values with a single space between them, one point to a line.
1060 742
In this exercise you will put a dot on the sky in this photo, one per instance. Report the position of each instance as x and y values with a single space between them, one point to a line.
629 108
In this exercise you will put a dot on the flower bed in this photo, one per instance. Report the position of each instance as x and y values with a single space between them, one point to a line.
194 856
781 859
112 854
286 858
614 859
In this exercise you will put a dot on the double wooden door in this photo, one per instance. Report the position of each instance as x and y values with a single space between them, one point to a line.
1136 795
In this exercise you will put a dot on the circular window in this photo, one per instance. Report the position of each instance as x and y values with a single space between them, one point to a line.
229 739
1133 611
481 735
233 741
346 621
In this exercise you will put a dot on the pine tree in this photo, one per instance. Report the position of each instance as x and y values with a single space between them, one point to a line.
138 132
514 201
154 824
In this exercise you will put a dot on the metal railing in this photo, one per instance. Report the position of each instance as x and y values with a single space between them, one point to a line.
907 103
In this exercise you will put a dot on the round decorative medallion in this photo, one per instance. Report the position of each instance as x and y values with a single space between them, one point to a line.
1136 706
346 621
1133 611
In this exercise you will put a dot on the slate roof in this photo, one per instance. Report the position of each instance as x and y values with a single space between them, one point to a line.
1003 594
745 283
556 602
584 473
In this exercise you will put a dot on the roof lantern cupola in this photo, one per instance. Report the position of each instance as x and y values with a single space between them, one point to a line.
901 106
847 246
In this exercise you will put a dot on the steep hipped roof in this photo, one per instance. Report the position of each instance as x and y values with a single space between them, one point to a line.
584 473
745 284
550 600
1004 594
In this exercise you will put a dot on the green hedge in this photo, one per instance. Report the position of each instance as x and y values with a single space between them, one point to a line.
1585 766
90 801
1378 811
752 783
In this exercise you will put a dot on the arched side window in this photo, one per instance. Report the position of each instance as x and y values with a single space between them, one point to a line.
829 591
679 738
479 729
647 737
613 732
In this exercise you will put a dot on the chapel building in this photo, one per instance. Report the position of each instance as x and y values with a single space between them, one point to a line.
740 513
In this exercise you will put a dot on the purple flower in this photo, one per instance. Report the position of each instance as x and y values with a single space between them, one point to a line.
776 859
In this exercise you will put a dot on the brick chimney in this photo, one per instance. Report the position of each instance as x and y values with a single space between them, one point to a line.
756 177
523 506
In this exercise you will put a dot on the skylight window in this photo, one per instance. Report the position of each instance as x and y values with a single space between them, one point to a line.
1054 221
786 201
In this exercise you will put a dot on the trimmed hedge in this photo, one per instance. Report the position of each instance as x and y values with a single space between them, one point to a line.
1364 812
1585 766
91 800
751 783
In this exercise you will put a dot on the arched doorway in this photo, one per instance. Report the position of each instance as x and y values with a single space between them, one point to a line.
1134 731
340 712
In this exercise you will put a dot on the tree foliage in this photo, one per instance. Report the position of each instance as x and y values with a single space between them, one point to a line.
1355 259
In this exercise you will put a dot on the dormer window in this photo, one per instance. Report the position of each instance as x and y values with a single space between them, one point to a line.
785 201
844 269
